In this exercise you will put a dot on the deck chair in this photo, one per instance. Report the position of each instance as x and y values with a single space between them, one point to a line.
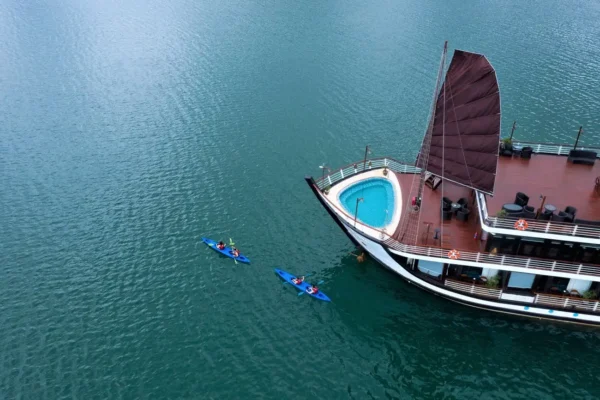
432 181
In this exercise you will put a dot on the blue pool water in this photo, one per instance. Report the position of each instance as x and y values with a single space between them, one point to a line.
378 197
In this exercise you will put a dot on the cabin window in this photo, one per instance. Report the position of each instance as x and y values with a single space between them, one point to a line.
494 243
531 247
588 254
553 249
431 268
470 273
558 285
579 285
521 280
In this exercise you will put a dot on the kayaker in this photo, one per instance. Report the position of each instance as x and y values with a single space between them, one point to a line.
312 290
235 252
298 280
221 245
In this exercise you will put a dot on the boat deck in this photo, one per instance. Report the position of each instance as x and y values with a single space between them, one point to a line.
563 183
453 234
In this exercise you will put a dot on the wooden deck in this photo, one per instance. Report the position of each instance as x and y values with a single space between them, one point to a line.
453 234
563 184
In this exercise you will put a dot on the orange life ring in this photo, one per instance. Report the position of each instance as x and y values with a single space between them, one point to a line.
521 225
454 254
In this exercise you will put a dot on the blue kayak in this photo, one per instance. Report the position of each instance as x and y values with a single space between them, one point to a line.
227 251
303 287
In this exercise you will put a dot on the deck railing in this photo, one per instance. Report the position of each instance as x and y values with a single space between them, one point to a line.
556 228
340 174
566 302
551 148
472 288
545 299
436 252
498 259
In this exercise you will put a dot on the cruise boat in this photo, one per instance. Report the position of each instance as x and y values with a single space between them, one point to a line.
502 225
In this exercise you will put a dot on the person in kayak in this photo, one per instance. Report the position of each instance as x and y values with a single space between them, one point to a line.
235 252
298 280
312 289
221 245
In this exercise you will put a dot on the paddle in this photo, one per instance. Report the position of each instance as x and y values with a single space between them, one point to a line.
284 282
231 244
304 291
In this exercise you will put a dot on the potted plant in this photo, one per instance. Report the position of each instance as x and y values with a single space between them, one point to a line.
501 214
326 189
493 282
385 171
589 294
505 147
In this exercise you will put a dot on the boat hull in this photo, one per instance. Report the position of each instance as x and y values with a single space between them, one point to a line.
383 255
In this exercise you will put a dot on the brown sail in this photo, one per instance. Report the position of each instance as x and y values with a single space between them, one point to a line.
466 127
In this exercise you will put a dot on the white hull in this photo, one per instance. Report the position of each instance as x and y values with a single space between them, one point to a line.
379 253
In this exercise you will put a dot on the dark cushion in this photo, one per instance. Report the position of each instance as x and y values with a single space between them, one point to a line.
521 199
582 157
583 153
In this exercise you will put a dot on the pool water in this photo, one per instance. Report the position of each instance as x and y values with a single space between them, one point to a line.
378 197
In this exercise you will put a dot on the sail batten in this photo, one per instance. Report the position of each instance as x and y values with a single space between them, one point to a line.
466 124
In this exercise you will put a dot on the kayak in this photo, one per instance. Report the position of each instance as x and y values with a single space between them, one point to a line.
227 251
302 287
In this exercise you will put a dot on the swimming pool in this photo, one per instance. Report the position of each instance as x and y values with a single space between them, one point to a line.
377 207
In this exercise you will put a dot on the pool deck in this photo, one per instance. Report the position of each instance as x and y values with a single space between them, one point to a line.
333 197
453 234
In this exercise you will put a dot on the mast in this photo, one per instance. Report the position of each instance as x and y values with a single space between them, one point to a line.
424 154
409 223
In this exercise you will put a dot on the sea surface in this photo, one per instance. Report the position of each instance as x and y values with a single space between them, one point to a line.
130 129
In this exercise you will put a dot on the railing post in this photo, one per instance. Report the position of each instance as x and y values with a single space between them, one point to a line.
579 269
553 265
527 263
342 173
477 258
502 261
473 287
575 230
536 300
595 306
547 227
566 302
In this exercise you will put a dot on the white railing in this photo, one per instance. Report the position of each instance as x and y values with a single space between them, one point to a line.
540 298
555 228
473 289
498 259
352 169
565 302
557 149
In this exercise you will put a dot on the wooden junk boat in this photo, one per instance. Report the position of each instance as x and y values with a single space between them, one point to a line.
506 226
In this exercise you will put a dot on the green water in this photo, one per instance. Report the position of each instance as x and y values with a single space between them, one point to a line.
130 129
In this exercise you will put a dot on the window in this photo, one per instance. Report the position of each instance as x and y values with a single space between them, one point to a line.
531 247
521 280
434 269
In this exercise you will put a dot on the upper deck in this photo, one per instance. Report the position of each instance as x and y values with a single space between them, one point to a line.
561 182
